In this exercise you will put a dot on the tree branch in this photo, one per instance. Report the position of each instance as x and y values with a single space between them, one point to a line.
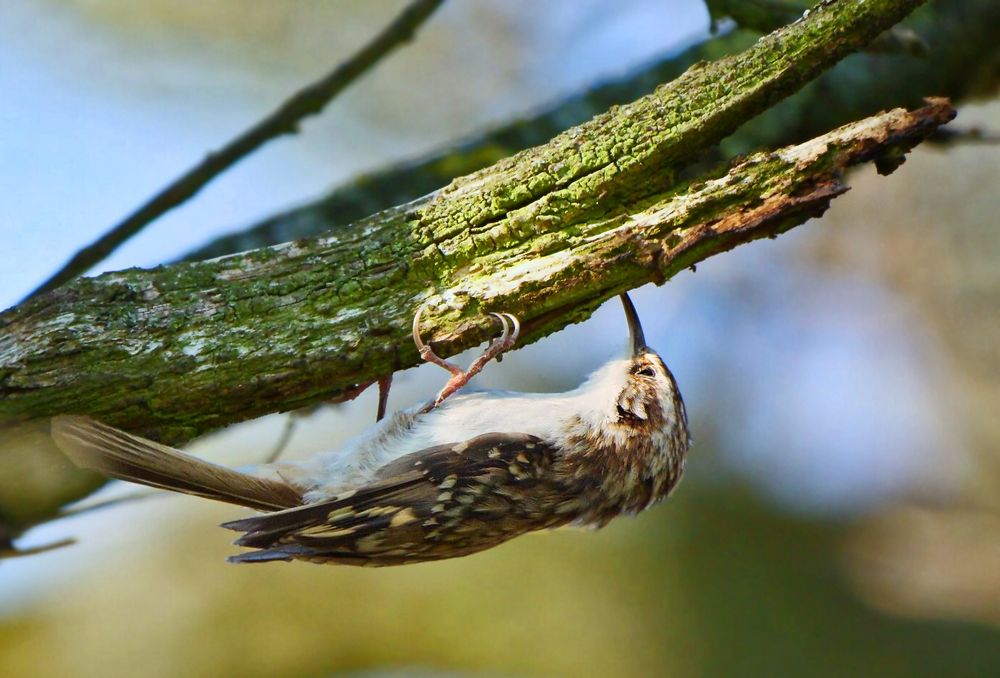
283 120
765 15
962 45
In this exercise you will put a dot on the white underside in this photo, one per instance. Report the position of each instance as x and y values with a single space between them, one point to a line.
546 415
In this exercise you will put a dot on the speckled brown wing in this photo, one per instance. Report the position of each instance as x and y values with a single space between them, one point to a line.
440 502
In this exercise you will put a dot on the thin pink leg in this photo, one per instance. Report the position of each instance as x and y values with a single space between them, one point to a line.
460 378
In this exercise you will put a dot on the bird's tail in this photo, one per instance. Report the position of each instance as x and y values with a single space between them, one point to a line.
112 452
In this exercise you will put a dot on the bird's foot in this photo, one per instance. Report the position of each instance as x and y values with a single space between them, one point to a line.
459 377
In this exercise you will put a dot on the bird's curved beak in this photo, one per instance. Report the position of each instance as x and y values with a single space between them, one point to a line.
634 326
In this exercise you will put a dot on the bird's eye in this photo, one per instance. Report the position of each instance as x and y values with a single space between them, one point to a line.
646 372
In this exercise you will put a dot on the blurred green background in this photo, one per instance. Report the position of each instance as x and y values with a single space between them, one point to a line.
839 516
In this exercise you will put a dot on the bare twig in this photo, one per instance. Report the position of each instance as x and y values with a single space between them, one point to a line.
965 135
8 550
286 435
284 120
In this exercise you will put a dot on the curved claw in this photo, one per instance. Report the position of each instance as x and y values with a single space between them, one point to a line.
426 352
421 346
506 328
517 328
511 329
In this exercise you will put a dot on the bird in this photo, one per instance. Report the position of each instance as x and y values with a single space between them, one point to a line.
457 475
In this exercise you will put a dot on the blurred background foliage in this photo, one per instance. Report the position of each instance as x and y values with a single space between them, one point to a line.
840 516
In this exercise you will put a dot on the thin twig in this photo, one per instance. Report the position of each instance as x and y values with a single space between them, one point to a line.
138 495
284 120
286 435
969 135
8 550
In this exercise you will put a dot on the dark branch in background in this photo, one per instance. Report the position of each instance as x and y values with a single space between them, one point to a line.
973 136
406 181
762 16
284 120
765 16
963 60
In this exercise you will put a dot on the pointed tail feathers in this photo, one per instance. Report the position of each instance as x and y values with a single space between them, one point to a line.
112 452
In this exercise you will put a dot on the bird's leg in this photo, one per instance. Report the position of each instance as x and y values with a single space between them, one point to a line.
459 377
384 384
349 394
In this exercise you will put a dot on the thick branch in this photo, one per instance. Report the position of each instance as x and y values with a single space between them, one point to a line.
963 54
283 120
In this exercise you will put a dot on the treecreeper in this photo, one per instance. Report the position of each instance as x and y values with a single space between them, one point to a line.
459 474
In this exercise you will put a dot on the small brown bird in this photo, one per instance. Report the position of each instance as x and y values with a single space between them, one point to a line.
452 477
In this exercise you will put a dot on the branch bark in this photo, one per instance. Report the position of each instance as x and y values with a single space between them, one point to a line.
962 64
547 234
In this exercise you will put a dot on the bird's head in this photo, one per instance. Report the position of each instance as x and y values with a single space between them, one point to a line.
635 395
630 429
648 394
